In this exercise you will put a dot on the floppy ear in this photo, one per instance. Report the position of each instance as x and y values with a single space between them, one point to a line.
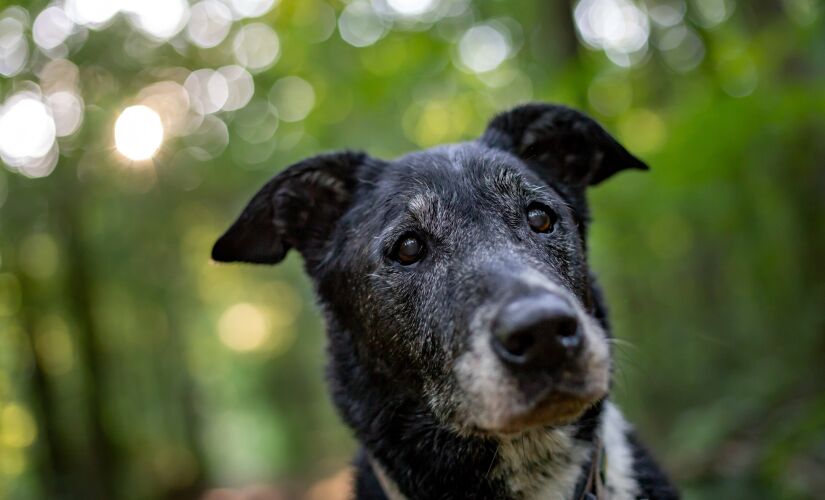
560 142
296 208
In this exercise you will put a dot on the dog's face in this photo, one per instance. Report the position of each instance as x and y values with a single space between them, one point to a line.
457 274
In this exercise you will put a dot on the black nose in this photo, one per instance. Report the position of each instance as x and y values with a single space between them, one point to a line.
537 332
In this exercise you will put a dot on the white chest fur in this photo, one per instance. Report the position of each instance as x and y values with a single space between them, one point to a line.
546 465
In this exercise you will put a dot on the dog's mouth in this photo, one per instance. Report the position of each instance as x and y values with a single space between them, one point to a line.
555 409
557 405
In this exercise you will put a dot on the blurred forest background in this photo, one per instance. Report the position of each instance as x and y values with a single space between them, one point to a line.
133 131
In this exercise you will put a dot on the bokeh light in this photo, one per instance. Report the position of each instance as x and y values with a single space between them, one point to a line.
67 112
160 19
172 103
208 90
52 27
257 122
209 139
713 12
138 132
14 50
17 426
667 13
27 135
92 13
359 25
256 47
243 327
484 47
618 27
240 87
293 97
411 7
209 23
681 48
250 8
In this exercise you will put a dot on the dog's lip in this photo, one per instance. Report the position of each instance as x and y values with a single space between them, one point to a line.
559 406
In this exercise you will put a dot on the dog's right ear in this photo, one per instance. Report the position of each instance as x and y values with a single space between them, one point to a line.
296 208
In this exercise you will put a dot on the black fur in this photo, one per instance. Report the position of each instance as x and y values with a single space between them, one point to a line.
399 336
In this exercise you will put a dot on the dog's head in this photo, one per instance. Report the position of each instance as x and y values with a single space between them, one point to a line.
457 274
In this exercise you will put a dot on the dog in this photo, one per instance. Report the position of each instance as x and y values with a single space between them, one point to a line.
468 341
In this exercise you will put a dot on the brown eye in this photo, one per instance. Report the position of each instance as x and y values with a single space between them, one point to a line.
409 250
540 219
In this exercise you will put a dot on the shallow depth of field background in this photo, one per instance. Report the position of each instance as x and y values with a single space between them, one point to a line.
132 367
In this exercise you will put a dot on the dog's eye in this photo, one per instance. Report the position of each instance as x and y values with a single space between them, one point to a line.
540 218
409 249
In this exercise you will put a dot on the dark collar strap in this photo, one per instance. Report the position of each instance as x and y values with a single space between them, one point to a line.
592 487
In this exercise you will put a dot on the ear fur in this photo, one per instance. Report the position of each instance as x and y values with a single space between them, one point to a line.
296 208
562 143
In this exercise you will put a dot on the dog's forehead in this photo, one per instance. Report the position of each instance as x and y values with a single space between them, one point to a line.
456 159
444 171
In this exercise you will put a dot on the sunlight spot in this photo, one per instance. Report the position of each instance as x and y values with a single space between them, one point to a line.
171 101
138 132
257 122
161 19
618 27
14 51
59 74
17 427
210 138
243 327
208 89
643 131
682 49
92 13
52 27
668 12
39 256
484 47
359 25
293 97
713 12
256 47
27 129
67 112
53 345
240 87
251 8
209 23
411 7
12 462
610 94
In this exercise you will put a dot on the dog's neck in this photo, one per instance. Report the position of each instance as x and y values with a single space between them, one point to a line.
542 464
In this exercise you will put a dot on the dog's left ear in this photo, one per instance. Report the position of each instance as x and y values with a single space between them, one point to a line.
297 208
564 144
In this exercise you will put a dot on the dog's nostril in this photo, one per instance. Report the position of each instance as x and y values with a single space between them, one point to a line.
537 333
518 343
564 327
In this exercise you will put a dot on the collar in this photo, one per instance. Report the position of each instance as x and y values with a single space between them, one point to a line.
388 486
593 486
